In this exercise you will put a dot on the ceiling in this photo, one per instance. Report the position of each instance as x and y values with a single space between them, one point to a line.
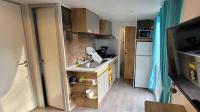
116 10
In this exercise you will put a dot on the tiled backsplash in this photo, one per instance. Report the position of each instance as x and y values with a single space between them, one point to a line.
75 47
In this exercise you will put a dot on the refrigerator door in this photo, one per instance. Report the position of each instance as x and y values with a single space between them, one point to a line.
143 71
144 48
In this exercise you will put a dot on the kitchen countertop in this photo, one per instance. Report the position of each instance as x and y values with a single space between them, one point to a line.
92 70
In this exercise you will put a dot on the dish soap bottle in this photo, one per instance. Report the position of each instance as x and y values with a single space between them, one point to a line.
77 62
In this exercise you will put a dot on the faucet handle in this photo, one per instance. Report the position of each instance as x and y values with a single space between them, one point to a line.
84 59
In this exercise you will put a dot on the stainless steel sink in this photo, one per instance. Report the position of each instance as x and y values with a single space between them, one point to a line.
92 64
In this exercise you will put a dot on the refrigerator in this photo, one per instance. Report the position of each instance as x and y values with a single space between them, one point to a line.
143 64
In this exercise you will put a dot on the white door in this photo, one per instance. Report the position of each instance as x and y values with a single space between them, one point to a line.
143 71
46 22
16 93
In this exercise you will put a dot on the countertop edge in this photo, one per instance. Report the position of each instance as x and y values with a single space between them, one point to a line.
89 70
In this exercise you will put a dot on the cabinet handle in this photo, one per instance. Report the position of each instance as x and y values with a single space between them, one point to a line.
25 63
174 91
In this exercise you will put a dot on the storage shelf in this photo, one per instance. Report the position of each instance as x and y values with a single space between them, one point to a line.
84 84
84 96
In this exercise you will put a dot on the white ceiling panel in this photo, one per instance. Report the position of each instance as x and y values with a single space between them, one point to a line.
116 10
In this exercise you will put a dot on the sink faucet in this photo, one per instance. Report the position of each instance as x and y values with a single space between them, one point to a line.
89 58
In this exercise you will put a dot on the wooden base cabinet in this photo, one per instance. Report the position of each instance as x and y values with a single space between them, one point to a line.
78 90
98 81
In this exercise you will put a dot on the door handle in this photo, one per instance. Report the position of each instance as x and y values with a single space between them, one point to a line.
41 61
25 63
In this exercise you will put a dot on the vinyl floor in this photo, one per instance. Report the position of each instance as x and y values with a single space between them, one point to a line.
122 97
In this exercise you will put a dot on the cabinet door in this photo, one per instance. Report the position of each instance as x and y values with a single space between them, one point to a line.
105 27
114 69
92 22
103 85
78 19
84 20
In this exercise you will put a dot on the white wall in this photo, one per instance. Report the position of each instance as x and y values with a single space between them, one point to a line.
191 9
114 45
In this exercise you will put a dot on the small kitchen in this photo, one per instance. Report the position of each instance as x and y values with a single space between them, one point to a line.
90 75
99 55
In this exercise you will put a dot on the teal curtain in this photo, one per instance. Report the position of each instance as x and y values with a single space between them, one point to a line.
156 53
170 15
166 82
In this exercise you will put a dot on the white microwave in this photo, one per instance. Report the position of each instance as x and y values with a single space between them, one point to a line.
145 34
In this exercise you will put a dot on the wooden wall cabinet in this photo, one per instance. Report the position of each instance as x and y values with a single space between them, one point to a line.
105 27
84 21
